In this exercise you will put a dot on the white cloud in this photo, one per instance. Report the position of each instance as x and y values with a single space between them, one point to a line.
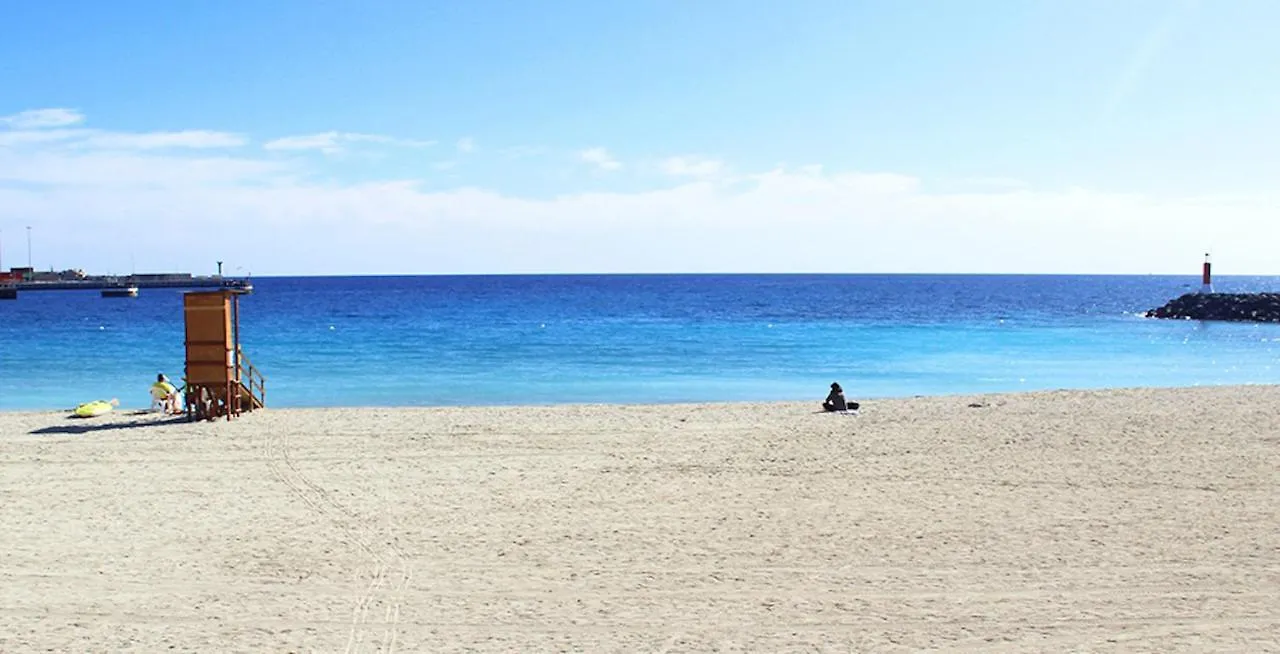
814 179
35 136
466 144
42 118
197 139
600 158
784 219
325 142
335 142
94 139
995 182
128 170
691 167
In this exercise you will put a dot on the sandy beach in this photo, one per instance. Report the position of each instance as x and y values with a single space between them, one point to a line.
1128 520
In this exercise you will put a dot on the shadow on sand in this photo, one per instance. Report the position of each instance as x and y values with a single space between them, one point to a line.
82 426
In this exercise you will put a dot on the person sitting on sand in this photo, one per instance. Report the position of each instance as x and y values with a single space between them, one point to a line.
835 400
165 395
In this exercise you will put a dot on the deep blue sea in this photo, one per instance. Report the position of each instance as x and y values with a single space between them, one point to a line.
433 340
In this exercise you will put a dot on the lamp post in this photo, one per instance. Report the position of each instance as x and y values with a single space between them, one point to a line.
29 246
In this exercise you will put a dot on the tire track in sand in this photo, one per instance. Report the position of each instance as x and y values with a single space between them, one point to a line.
354 530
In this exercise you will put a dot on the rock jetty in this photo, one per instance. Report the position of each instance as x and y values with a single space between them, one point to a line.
1250 307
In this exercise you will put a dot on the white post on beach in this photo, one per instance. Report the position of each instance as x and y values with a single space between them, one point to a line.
1206 285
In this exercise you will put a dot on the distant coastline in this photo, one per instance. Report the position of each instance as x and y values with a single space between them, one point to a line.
29 279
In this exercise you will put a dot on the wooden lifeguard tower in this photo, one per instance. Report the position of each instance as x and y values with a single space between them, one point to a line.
220 380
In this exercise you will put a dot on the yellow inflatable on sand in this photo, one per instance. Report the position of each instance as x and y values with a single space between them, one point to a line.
96 408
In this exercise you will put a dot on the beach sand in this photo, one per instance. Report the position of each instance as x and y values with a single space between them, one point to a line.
1128 520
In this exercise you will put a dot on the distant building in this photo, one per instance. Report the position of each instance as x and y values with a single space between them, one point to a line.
161 277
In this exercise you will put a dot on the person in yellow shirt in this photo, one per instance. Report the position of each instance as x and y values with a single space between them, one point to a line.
165 395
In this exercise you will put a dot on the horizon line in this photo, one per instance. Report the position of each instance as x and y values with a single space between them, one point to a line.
1193 275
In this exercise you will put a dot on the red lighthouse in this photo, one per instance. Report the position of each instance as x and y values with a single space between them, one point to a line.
1206 282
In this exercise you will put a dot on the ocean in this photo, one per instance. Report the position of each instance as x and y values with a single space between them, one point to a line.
489 340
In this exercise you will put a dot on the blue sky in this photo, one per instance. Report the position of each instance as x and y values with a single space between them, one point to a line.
492 137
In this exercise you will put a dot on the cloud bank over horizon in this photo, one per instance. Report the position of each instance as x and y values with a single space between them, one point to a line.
99 198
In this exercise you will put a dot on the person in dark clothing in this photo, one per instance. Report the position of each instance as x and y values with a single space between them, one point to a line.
835 400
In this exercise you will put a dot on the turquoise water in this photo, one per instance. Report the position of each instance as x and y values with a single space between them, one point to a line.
559 339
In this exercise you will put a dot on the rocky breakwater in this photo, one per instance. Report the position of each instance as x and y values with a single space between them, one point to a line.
1252 307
